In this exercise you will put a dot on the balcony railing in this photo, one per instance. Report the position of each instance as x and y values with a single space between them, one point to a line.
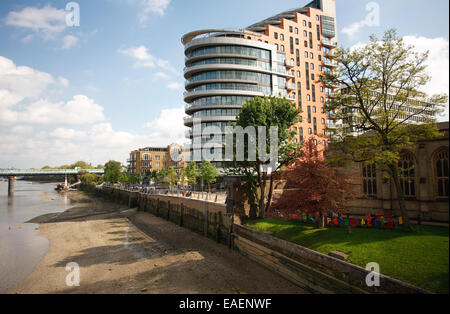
329 63
291 97
329 43
290 63
290 86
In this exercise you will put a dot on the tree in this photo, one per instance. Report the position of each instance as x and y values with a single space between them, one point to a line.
152 174
162 176
113 171
82 164
183 178
208 173
192 173
266 112
312 186
377 82
172 176
88 178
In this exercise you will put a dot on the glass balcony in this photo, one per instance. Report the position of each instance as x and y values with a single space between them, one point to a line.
329 43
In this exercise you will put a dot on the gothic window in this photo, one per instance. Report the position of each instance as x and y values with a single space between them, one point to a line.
370 180
407 174
441 162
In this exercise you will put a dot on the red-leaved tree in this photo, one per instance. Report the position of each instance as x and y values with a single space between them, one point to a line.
312 187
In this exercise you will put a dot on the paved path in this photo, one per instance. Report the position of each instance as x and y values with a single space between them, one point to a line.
117 257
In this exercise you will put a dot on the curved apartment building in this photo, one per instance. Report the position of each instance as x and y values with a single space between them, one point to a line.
283 55
224 70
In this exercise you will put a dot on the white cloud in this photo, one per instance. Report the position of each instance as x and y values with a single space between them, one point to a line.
27 38
22 99
152 6
23 81
79 110
168 127
63 81
22 129
31 125
371 19
97 144
161 75
174 85
146 60
47 21
69 41
63 133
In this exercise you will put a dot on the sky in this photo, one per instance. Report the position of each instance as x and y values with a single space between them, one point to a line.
97 90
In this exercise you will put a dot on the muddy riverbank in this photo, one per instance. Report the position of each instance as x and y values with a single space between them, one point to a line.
125 251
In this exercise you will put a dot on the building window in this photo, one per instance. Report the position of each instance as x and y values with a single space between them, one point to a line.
275 35
442 173
296 31
281 36
370 180
291 29
282 48
407 175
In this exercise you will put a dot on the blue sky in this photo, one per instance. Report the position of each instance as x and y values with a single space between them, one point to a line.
115 82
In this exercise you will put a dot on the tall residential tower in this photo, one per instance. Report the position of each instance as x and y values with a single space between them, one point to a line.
283 55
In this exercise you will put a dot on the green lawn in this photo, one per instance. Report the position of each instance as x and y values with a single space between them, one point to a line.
419 258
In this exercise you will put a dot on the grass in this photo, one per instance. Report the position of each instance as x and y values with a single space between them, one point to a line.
419 258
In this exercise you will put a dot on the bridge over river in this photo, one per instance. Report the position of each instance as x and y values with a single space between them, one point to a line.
11 174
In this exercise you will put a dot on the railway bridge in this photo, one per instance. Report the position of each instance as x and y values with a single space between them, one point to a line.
11 174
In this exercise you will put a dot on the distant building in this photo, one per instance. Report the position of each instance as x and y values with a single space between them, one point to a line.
154 158
424 181
417 110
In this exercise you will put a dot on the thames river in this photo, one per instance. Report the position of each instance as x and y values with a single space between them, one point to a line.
21 247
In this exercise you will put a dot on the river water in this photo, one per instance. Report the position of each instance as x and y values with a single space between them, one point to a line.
21 248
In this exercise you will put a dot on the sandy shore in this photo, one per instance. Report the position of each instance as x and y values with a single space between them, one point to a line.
125 251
